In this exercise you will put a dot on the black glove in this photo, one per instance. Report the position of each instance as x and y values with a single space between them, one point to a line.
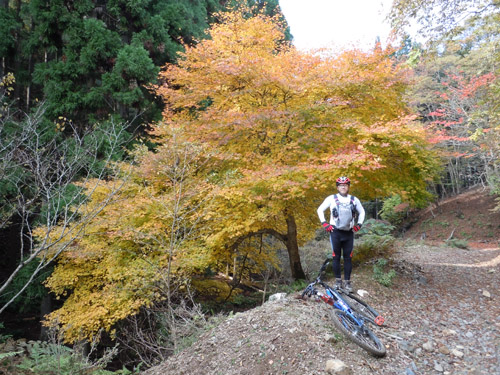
328 227
357 227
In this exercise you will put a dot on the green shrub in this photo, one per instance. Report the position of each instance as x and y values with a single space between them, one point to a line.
455 242
376 227
375 239
394 210
380 275
48 358
246 301
297 285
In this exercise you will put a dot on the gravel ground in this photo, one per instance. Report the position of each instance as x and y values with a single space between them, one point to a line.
442 315
454 310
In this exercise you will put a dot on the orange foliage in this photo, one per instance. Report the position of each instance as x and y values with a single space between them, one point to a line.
254 133
276 112
285 124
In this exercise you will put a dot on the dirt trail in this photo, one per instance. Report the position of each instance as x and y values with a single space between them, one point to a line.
455 308
443 317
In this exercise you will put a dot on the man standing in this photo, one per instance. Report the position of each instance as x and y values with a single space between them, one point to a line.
346 217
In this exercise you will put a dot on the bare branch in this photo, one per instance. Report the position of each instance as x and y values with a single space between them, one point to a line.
44 173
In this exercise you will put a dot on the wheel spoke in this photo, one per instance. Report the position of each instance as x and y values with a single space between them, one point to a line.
362 336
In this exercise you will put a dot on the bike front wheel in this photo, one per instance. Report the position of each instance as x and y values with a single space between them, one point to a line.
361 336
361 307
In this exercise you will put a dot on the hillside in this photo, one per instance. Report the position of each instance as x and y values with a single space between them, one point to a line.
467 216
442 314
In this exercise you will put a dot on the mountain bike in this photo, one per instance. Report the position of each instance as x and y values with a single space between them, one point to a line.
349 314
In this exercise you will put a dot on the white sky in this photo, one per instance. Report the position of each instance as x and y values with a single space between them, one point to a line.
336 24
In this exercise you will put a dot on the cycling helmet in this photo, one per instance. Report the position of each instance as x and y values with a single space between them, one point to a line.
343 180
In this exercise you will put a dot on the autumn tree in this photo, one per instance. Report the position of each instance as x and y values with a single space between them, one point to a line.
253 137
90 62
139 248
285 124
456 85
457 122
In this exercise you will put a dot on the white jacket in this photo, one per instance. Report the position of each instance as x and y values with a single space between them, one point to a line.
330 203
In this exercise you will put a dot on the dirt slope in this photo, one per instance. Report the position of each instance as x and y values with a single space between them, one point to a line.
439 321
468 216
443 315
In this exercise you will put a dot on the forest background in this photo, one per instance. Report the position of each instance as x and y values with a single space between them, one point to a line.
157 155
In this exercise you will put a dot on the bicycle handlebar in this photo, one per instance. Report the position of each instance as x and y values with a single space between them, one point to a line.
310 290
323 267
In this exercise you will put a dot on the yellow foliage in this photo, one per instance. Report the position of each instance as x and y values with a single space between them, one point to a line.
280 114
217 290
284 125
7 82
254 133
125 256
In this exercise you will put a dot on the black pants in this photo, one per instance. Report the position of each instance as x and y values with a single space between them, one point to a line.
342 242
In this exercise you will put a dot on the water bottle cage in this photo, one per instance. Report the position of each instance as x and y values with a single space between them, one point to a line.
326 298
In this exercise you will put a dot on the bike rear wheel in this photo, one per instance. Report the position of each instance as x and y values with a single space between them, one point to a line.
361 336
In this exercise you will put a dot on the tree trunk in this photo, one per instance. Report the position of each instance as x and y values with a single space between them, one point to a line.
45 308
293 248
289 240
17 55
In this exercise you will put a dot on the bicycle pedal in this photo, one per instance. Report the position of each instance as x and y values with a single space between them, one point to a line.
379 320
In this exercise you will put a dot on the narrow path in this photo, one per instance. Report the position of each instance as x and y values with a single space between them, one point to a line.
489 263
447 313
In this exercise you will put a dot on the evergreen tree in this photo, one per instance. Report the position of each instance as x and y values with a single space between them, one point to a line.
89 59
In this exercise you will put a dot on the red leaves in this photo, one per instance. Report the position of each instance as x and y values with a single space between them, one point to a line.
454 121
437 113
468 87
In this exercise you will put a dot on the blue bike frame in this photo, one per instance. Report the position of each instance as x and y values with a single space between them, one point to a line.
350 320
334 299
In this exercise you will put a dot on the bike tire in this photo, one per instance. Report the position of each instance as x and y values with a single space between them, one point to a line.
364 338
361 307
